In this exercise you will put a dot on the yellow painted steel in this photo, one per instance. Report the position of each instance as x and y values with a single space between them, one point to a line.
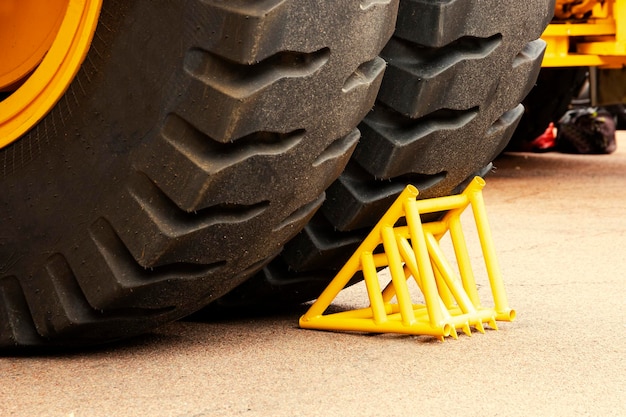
577 9
40 91
27 29
599 40
413 250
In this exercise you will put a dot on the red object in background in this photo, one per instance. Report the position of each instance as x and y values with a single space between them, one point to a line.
544 142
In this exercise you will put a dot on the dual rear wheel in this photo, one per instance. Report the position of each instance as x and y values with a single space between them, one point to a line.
197 139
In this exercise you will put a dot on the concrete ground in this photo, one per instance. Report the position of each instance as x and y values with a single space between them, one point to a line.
559 226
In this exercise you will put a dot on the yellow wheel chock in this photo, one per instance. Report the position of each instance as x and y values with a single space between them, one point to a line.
411 249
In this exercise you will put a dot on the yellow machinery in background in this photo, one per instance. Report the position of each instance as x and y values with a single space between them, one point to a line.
587 33
584 65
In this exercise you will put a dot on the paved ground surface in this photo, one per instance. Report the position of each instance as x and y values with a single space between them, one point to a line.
559 225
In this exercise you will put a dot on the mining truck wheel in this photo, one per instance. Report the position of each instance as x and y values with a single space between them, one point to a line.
195 140
449 103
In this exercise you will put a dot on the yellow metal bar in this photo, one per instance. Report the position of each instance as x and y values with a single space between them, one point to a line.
433 205
619 13
444 292
599 28
373 288
447 273
408 255
436 228
365 325
485 315
429 286
609 48
453 284
361 313
503 310
462 258
580 60
380 260
452 222
421 314
397 276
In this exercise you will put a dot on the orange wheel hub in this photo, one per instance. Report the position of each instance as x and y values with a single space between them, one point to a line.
44 44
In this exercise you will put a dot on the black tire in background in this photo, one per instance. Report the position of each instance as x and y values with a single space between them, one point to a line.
619 112
197 138
448 105
547 102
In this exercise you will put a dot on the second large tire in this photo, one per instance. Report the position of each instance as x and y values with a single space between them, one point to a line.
449 103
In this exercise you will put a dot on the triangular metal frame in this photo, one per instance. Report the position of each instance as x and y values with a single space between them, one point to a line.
412 249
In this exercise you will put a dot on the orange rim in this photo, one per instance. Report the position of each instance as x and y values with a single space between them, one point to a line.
48 55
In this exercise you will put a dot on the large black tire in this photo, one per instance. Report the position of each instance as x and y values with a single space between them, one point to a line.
449 102
197 138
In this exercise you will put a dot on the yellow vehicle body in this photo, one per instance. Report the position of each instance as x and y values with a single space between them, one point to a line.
587 33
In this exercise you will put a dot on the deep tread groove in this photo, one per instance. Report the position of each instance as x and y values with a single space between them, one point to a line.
339 148
319 239
531 51
504 127
249 8
241 81
366 4
70 305
255 30
135 285
119 259
174 222
526 63
420 80
213 156
172 235
69 312
369 189
208 166
430 62
301 215
17 327
363 198
385 118
365 74
436 23
508 119
391 140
